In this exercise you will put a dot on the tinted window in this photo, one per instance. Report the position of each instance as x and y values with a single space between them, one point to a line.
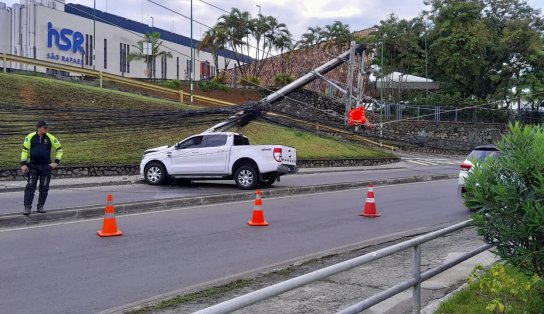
193 142
215 140
240 140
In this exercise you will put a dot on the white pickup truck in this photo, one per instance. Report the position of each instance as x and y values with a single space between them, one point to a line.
219 155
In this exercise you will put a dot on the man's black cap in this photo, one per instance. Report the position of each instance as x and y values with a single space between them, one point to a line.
41 123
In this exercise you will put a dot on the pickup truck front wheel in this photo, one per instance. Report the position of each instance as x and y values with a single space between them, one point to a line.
155 173
246 177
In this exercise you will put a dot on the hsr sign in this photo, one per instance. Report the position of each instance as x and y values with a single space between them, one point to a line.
65 40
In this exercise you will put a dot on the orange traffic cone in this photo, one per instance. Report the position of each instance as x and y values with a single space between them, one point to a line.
109 228
370 204
258 214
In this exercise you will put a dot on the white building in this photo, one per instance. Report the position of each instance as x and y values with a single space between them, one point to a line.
53 31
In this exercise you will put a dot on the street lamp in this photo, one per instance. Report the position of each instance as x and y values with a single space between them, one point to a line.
151 52
191 69
94 35
381 91
258 6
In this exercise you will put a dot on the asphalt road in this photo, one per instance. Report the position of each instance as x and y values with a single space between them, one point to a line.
12 202
66 268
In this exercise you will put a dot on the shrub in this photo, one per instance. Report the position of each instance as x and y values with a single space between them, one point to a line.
221 79
507 193
282 79
250 81
502 290
211 85
173 84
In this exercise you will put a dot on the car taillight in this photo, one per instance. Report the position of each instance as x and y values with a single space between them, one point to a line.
465 166
277 154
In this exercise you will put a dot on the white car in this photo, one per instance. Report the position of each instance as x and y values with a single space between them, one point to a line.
479 153
219 156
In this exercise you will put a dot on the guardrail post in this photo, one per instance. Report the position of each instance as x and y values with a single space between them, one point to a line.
5 61
416 292
181 96
100 78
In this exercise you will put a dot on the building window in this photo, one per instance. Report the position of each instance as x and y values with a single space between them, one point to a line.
105 53
163 66
121 57
128 63
91 49
177 68
124 50
86 49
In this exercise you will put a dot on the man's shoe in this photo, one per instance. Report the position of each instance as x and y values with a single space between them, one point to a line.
26 211
41 210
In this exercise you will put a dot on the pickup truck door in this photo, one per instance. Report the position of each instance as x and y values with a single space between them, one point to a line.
186 157
215 154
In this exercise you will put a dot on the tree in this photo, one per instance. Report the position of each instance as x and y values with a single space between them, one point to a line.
338 34
507 192
237 25
277 37
312 37
484 48
156 43
283 42
215 39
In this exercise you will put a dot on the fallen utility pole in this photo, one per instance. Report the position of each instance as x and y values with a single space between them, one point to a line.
245 116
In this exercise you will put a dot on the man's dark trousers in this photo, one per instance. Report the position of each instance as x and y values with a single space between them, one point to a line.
43 173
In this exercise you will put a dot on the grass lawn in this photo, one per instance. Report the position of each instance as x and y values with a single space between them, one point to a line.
103 127
474 300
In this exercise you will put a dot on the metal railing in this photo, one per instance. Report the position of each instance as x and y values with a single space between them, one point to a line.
105 75
474 115
415 282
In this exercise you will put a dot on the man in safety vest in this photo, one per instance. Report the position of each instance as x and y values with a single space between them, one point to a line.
36 164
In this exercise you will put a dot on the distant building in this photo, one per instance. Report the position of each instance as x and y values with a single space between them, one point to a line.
51 30
365 32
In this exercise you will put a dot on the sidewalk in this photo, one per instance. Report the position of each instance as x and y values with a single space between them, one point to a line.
19 185
352 286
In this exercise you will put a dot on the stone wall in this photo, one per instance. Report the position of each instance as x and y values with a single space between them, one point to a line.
409 135
120 170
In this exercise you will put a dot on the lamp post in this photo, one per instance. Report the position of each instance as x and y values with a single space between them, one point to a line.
258 6
151 52
191 69
426 69
381 91
94 35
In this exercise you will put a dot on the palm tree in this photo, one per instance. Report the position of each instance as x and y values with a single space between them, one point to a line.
274 30
313 36
338 34
149 57
215 39
258 31
283 42
237 29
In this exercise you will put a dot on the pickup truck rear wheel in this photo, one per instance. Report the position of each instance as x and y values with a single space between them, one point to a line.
155 173
268 181
246 177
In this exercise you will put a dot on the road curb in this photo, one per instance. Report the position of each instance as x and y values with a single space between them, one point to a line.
74 185
18 220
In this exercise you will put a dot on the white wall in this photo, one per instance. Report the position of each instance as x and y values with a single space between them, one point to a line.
5 31
31 30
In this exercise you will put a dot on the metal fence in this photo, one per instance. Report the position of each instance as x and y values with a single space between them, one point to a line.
390 112
414 283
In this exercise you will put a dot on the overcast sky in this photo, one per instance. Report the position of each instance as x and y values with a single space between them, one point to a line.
297 15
